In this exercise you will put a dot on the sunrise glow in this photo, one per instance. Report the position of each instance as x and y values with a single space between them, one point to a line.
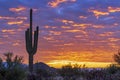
60 63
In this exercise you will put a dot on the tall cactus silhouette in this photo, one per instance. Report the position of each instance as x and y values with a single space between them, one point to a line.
31 46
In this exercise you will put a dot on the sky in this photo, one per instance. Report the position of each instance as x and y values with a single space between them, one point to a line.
69 30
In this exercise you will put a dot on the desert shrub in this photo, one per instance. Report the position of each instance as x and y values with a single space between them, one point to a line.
112 69
112 72
116 76
12 68
117 57
66 70
71 72
43 73
95 74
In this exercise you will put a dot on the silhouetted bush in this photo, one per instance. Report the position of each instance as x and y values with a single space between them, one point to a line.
12 68
117 57
112 69
71 72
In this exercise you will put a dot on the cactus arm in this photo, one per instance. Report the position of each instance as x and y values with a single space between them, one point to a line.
27 40
35 40
30 31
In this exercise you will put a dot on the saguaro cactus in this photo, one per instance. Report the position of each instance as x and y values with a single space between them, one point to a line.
31 46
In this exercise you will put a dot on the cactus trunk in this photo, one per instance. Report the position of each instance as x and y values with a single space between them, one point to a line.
31 46
31 63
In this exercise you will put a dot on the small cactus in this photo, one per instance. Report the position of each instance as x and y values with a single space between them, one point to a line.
31 46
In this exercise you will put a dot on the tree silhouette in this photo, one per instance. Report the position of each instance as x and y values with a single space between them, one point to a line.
117 57
31 46
12 68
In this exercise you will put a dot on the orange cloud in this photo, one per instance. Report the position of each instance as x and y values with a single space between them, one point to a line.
73 31
78 36
16 44
48 38
55 32
18 9
111 9
15 22
116 24
99 41
2 17
113 45
82 25
113 39
106 34
23 18
47 26
67 21
1 42
65 27
76 30
10 18
6 36
8 31
68 44
82 17
25 25
97 26
55 3
98 13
